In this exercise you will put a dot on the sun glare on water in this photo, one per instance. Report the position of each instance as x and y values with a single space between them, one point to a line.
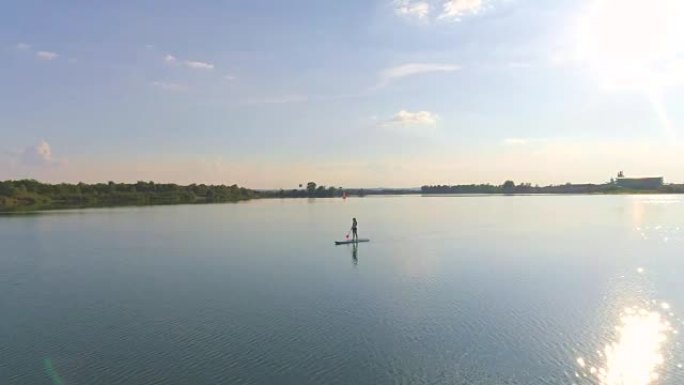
633 43
635 357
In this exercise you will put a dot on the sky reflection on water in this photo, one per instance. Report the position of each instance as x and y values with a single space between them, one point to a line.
451 290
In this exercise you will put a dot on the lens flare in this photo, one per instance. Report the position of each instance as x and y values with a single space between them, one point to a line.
632 43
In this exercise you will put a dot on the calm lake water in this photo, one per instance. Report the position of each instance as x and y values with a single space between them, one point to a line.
450 290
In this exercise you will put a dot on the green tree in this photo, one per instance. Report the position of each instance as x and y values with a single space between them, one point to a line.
311 188
7 189
508 187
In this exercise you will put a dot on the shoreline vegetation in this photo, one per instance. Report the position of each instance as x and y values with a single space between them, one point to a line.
31 195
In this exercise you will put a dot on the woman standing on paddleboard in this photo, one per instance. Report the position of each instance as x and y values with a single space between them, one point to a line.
355 235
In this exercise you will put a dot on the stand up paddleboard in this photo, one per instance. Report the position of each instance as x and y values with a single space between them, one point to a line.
348 241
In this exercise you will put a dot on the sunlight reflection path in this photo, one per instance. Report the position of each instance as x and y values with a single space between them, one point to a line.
635 356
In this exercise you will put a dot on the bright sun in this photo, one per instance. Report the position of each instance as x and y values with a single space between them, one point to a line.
633 43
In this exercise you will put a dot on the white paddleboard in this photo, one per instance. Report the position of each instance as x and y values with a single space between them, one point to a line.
348 241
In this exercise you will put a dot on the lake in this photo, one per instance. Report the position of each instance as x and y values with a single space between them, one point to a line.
450 290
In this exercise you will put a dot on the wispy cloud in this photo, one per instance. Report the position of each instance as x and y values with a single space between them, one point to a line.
41 55
46 55
393 73
419 10
192 64
229 77
279 99
455 9
168 86
199 65
408 118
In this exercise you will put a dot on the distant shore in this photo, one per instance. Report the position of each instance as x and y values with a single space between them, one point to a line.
31 195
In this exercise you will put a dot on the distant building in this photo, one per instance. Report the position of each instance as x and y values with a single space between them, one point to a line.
650 183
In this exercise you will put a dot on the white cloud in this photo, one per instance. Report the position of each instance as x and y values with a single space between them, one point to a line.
229 77
198 65
455 9
418 68
46 55
168 86
393 73
41 55
416 9
407 118
192 64
451 9
39 155
414 124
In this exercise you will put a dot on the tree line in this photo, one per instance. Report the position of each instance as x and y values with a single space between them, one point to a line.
310 190
31 194
509 187
313 190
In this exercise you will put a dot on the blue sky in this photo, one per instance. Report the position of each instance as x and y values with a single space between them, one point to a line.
349 93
